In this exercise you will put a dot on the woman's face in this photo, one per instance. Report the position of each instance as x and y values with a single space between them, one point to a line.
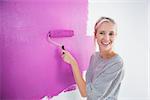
106 33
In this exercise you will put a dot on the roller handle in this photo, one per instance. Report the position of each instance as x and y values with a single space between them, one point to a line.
63 48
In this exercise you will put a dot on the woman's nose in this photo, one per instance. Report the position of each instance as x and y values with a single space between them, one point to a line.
106 37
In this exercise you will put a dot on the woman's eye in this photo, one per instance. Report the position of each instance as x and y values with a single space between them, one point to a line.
101 33
111 33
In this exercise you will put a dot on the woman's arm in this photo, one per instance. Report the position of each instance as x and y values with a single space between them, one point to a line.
79 79
68 58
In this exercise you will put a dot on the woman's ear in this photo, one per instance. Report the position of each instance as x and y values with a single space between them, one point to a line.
95 35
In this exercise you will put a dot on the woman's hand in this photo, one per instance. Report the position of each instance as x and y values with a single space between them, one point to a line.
67 57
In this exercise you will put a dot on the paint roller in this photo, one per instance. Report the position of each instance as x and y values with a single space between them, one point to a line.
59 34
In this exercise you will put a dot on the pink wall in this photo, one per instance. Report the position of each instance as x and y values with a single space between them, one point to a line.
32 67
1 45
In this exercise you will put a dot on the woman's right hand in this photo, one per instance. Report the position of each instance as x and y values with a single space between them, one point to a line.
67 57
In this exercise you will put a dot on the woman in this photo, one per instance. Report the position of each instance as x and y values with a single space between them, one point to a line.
105 72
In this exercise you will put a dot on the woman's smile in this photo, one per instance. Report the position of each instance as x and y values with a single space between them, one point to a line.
105 43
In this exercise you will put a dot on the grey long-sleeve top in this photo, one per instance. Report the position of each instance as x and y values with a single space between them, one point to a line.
103 77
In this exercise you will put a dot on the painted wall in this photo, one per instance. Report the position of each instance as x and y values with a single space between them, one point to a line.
0 54
32 67
1 45
149 46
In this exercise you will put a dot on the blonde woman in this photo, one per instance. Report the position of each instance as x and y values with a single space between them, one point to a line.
105 71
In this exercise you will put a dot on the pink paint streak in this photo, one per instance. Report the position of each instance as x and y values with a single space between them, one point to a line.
32 67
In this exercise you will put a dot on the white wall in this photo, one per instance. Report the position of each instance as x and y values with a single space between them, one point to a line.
131 44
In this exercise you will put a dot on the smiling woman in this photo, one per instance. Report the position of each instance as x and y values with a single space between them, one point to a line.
130 43
105 72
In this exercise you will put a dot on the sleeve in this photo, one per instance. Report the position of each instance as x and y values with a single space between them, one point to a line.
89 71
98 88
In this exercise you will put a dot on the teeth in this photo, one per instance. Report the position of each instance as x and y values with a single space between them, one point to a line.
105 43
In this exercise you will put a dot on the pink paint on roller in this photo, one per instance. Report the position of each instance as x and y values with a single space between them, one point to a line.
61 33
